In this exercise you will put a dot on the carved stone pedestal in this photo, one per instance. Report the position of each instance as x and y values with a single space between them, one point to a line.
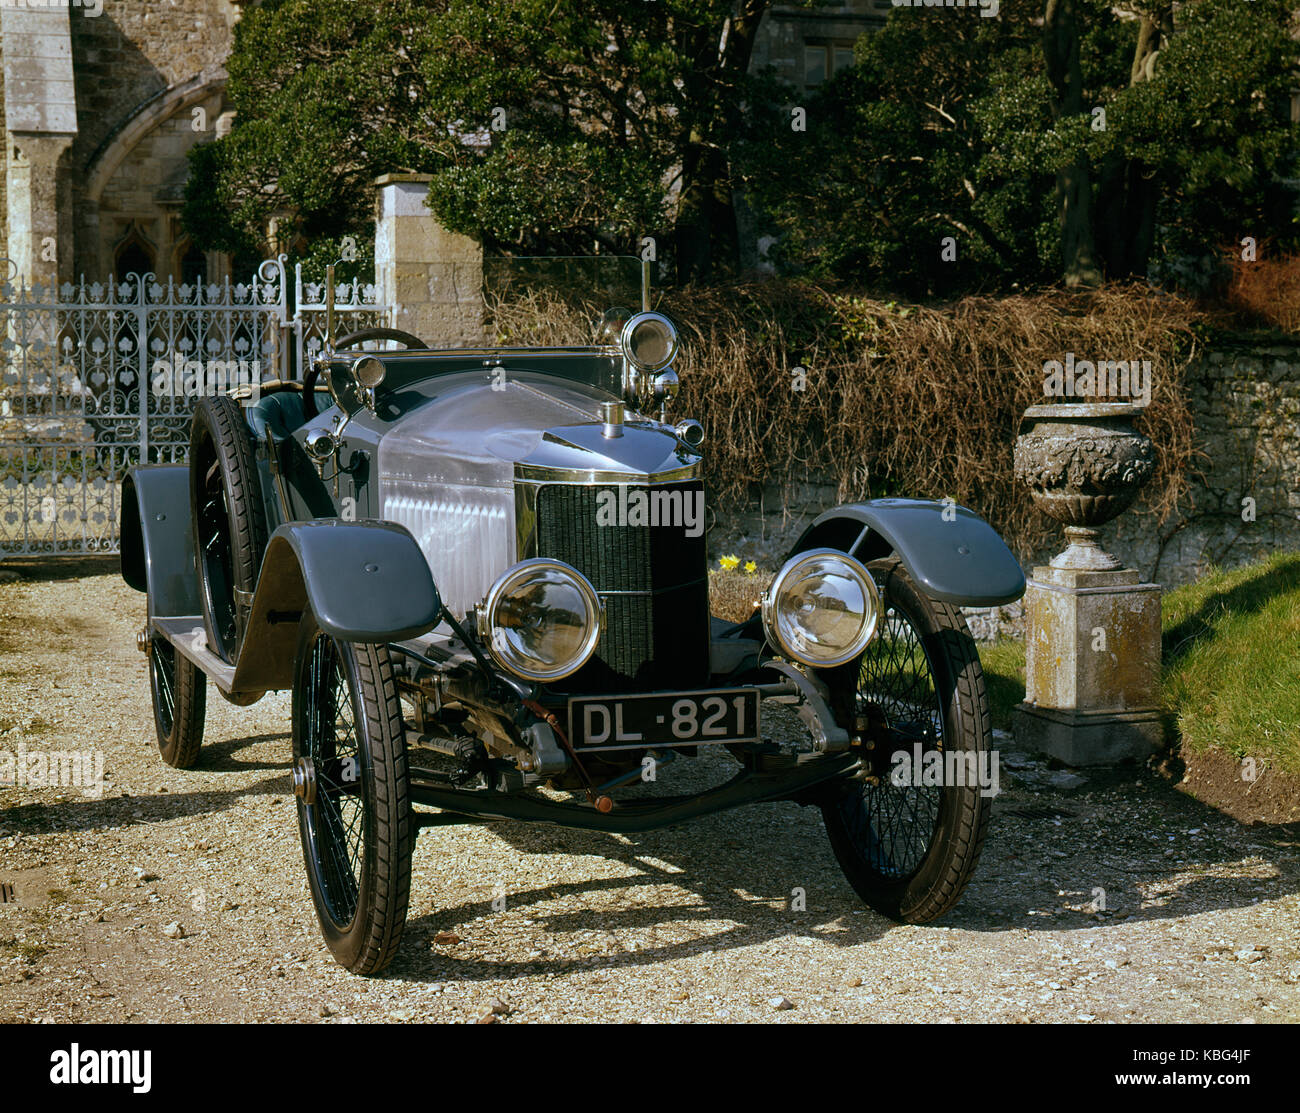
1092 630
1092 667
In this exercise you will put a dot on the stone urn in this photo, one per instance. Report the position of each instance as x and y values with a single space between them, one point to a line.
1084 464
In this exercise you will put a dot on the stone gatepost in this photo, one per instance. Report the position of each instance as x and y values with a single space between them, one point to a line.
431 279
40 122
40 232
1092 628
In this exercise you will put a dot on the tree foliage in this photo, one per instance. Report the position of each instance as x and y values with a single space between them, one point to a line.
1064 140
549 126
1060 141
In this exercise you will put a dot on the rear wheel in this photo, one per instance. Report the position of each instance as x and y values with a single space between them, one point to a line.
909 849
229 521
354 807
179 692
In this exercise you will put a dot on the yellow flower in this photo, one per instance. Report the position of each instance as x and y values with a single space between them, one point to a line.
728 562
751 567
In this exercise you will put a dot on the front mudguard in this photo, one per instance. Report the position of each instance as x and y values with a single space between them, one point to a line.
364 582
950 553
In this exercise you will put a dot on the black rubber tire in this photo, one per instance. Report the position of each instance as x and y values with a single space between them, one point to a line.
229 519
360 892
960 813
179 691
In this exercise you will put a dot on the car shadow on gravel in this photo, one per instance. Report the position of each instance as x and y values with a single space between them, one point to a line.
1128 850
219 757
129 811
754 922
730 892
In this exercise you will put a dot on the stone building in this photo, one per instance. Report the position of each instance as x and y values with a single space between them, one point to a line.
806 46
102 99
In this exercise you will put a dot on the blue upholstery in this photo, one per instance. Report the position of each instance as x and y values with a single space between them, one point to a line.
282 413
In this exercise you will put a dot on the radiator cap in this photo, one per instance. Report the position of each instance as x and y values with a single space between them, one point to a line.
612 413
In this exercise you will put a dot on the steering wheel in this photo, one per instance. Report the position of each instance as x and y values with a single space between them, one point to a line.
341 344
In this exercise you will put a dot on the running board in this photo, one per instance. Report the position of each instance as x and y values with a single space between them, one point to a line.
190 639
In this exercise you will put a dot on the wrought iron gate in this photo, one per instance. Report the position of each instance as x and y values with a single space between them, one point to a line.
98 376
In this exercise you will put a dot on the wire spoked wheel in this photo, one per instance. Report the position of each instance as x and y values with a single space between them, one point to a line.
354 810
896 695
179 692
908 834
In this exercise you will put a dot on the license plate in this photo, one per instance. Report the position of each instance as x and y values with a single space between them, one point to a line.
634 722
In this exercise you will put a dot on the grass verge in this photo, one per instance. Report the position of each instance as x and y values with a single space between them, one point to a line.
1231 651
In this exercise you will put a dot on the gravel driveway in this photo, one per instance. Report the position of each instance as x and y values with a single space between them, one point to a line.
181 895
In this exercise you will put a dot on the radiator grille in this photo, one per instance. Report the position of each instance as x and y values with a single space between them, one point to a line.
652 577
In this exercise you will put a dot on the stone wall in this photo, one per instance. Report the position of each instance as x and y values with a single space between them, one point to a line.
1246 407
136 49
132 69
143 195
141 68
785 30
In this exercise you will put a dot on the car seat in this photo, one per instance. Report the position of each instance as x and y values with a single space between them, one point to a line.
281 412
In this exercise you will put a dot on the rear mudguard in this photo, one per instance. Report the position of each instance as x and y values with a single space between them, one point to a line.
158 540
951 553
364 581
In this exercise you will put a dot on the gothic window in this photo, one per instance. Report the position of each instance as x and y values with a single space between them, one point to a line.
823 59
133 256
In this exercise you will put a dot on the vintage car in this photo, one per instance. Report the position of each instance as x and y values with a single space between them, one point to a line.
483 575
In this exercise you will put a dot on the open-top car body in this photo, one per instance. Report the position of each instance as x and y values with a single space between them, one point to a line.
482 573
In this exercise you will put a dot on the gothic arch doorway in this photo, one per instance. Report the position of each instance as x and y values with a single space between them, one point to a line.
133 254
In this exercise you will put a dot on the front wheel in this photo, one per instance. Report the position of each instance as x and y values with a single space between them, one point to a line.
354 806
908 834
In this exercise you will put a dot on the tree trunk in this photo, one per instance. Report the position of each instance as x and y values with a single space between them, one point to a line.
1153 32
1126 195
707 238
1073 182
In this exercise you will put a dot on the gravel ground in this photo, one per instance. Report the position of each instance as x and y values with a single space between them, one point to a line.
182 896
